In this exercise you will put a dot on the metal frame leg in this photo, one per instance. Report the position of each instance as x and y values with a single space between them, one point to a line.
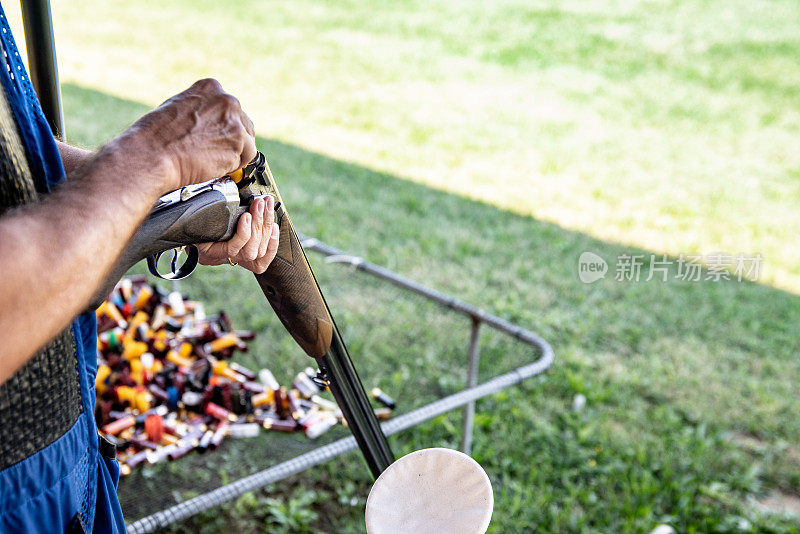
41 46
468 412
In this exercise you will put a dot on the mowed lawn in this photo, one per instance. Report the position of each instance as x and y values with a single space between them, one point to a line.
481 148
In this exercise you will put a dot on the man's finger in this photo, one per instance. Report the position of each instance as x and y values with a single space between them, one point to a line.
269 218
272 244
249 251
263 262
242 235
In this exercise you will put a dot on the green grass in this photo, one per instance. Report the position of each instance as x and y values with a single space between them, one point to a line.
661 124
481 148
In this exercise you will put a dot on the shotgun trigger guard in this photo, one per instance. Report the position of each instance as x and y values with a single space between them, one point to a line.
177 272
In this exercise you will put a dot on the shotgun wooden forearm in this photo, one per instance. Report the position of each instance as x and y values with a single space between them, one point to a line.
289 284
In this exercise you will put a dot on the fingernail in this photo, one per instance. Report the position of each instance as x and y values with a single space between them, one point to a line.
270 201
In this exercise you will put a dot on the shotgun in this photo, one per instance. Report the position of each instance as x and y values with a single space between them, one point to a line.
209 211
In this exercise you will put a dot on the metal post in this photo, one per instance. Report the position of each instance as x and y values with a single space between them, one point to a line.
468 412
42 66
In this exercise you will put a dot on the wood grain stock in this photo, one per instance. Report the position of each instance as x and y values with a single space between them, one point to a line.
291 289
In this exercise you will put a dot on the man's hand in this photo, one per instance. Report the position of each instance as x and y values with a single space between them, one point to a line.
255 243
202 133
199 134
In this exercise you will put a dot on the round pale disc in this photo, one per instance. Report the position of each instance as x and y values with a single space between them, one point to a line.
436 491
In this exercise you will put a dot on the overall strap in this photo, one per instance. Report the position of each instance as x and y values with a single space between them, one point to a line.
42 400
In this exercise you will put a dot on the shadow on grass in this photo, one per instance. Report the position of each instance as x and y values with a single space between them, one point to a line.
721 355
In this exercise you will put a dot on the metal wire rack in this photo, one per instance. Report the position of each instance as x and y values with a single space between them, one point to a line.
465 398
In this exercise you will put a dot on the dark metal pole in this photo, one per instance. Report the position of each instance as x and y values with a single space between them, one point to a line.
42 66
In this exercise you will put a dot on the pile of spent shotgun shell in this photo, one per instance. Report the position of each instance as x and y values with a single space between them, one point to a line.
166 385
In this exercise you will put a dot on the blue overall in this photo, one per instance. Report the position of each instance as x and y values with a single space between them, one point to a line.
45 491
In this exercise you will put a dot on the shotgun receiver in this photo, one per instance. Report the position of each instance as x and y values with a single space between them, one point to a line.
194 214
209 212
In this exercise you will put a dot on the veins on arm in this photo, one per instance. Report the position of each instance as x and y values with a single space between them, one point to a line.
56 252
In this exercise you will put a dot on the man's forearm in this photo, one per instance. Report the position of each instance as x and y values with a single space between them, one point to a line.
73 157
61 248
